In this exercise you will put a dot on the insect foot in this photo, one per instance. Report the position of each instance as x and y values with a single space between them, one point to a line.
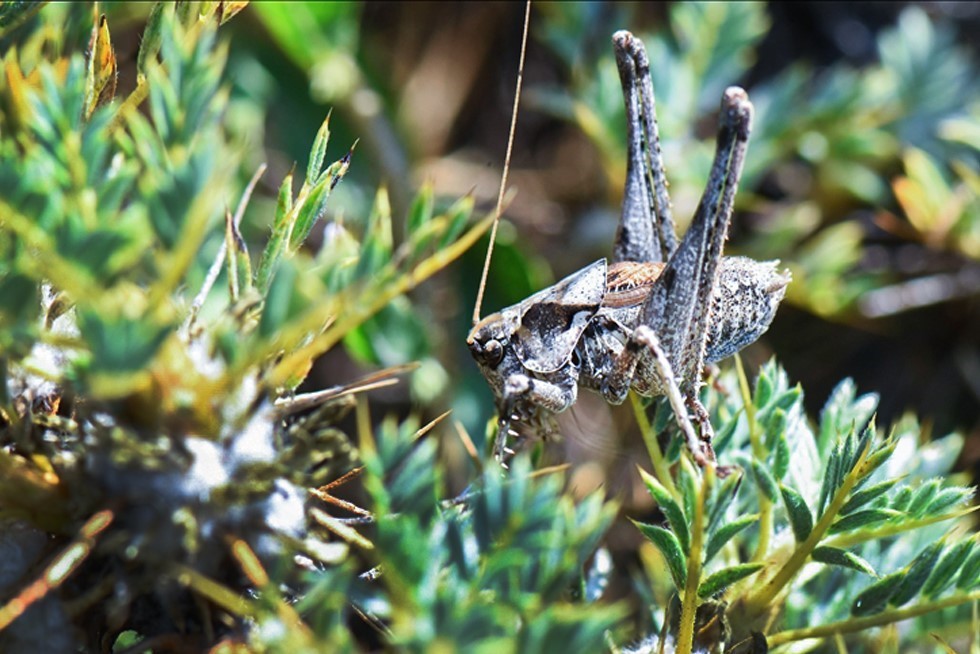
650 319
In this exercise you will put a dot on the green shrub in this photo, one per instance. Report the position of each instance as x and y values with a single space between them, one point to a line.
167 485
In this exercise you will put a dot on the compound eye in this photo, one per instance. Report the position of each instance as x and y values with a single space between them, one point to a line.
493 353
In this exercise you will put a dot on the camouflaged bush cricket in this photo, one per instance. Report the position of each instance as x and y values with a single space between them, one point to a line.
652 318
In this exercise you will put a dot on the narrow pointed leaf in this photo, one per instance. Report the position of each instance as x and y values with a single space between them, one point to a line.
866 495
763 390
668 545
970 571
944 572
722 579
308 213
672 510
723 497
874 598
781 456
863 518
726 532
918 572
280 229
843 558
421 210
764 478
800 517
948 497
318 152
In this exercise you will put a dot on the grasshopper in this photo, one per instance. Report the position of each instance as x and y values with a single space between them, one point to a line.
650 319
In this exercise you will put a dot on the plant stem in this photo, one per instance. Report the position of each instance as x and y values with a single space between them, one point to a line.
757 603
758 451
689 607
860 624
660 465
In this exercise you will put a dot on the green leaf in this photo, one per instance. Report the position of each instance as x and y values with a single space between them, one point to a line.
458 215
874 598
671 509
280 230
866 495
722 498
121 344
948 566
948 497
781 455
308 213
724 578
970 570
670 548
767 484
276 310
318 152
843 558
863 518
800 518
763 390
917 574
726 532
421 211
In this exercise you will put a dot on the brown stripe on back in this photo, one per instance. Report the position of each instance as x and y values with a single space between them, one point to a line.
628 283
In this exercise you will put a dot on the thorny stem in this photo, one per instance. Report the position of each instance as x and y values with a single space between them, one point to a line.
755 439
757 603
854 625
689 607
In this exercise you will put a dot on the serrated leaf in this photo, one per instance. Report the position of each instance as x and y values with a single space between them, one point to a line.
946 569
670 507
866 495
800 517
767 484
918 572
724 578
863 518
726 532
843 558
668 545
874 598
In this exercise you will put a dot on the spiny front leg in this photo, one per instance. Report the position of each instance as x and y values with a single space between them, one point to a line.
523 397
642 352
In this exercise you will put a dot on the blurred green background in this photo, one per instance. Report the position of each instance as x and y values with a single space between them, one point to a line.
863 173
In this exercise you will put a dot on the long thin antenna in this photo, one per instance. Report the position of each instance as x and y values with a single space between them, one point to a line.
503 177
